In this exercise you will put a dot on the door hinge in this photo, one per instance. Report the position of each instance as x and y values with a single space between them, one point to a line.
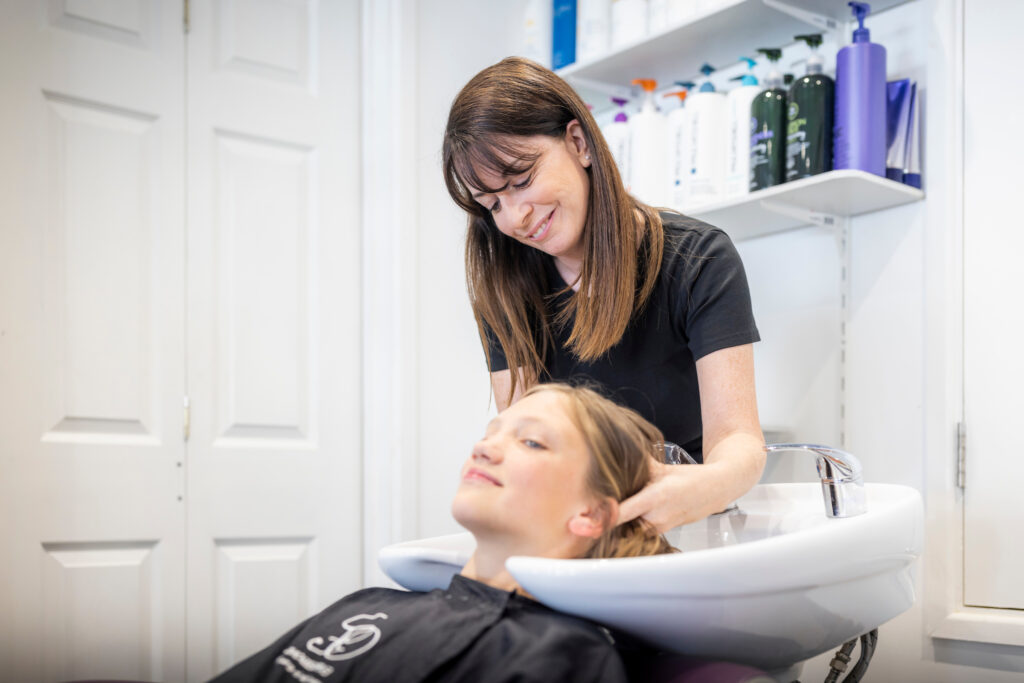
961 455
186 18
188 419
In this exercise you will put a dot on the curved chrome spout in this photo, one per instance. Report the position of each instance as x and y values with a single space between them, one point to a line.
842 479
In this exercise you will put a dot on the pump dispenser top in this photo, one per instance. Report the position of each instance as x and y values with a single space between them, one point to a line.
649 85
621 116
681 94
815 62
773 54
748 78
707 70
861 10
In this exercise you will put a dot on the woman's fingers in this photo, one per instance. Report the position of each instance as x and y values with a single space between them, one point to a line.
671 498
636 506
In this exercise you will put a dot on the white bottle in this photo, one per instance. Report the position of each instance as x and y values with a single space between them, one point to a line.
617 134
678 127
657 16
593 29
537 31
629 22
709 139
648 165
737 157
680 11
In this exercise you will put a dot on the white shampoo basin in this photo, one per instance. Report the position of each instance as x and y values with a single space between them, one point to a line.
770 585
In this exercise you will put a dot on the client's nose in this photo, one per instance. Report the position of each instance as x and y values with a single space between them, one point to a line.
487 449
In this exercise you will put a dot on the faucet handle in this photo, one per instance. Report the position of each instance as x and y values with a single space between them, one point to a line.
841 474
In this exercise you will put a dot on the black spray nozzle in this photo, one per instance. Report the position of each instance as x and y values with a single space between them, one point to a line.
812 39
787 78
686 84
773 54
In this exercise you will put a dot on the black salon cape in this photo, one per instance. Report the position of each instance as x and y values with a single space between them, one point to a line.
469 632
700 304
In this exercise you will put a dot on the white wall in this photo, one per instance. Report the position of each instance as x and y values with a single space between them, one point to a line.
453 386
902 383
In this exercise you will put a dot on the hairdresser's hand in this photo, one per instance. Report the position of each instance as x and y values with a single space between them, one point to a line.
677 494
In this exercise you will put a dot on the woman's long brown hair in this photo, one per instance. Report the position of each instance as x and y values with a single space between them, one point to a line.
622 238
620 443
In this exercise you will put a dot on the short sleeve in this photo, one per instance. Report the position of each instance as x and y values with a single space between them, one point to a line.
715 311
493 350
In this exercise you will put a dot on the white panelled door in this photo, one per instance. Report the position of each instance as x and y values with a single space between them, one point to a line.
92 344
179 217
273 342
993 314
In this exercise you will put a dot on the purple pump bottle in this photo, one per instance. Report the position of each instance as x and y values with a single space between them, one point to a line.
858 139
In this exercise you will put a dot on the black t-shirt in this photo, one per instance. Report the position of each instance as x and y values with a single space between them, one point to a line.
470 632
700 304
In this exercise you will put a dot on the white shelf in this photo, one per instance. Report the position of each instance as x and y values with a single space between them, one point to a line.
718 36
843 193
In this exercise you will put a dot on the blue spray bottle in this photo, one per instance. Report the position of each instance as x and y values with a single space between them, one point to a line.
859 133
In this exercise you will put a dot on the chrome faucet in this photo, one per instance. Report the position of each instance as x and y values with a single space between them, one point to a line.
842 479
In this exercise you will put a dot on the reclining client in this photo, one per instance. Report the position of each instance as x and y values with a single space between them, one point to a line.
545 480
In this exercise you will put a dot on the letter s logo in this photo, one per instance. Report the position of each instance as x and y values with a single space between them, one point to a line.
357 639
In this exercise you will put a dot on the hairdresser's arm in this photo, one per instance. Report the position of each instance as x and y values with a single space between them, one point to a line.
733 448
500 383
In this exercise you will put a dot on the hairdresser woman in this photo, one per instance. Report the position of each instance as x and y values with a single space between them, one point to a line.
573 279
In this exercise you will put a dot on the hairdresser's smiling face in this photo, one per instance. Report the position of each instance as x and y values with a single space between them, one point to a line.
526 478
545 207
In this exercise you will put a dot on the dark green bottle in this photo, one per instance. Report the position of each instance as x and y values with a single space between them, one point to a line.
768 130
809 118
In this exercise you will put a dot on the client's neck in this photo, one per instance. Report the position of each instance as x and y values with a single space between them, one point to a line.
487 564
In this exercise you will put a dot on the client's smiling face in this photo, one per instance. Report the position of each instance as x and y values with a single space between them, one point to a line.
526 478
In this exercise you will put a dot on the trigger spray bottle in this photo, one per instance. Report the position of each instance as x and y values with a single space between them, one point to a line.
768 129
809 113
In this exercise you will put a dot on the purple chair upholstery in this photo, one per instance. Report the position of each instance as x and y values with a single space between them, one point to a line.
666 668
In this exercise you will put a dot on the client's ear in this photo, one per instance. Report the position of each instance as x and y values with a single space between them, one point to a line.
596 519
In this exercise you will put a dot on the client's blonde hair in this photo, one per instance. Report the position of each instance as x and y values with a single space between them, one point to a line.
620 442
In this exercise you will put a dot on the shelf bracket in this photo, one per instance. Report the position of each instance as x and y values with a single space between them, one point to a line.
809 217
813 18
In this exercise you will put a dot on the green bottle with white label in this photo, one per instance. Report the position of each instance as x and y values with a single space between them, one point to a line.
768 129
809 115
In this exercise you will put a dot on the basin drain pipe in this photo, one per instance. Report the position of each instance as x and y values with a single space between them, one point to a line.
837 666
